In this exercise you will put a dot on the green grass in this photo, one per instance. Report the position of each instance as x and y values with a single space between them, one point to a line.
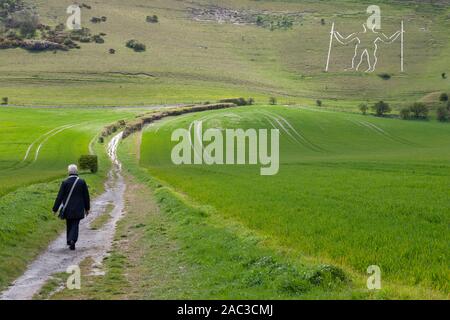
28 188
181 251
42 132
374 196
243 60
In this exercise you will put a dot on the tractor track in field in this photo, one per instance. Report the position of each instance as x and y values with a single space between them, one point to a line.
42 139
381 132
93 243
30 147
50 136
296 135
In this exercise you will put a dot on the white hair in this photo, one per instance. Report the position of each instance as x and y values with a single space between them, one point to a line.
73 169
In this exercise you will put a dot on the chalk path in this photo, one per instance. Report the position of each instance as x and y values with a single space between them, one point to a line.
92 243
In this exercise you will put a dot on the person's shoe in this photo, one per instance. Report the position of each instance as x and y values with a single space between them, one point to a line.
72 245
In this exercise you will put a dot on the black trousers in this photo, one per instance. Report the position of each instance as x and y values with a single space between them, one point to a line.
72 229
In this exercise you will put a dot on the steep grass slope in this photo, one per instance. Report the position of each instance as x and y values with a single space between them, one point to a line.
191 57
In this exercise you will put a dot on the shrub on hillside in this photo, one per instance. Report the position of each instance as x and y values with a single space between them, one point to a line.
381 108
5 100
236 101
419 110
88 162
272 101
98 39
152 19
26 21
363 108
251 101
405 113
42 45
443 97
385 76
101 140
442 114
136 45
319 103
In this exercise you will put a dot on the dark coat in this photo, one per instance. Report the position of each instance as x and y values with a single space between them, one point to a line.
79 202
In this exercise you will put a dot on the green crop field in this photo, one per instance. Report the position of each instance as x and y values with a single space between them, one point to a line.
371 191
36 146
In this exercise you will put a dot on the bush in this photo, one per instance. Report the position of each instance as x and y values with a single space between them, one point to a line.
251 101
88 162
363 108
98 39
236 101
85 39
319 103
96 20
136 45
442 114
443 97
5 100
42 45
381 108
272 101
326 275
152 19
405 113
419 110
101 140
112 51
25 20
385 76
444 75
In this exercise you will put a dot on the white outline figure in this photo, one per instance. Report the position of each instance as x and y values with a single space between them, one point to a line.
366 47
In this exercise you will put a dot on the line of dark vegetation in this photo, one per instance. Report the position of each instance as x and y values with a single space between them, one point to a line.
140 122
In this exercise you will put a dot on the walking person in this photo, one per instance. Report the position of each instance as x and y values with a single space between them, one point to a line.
73 204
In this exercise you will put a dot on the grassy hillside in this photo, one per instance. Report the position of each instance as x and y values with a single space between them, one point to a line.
361 191
191 57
